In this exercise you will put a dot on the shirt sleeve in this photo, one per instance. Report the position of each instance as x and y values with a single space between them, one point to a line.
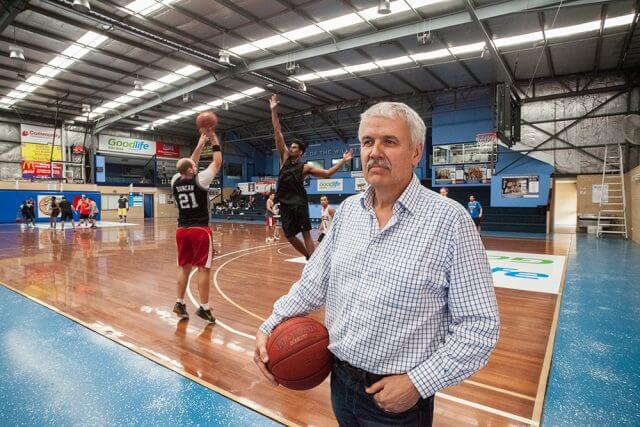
204 178
474 322
308 293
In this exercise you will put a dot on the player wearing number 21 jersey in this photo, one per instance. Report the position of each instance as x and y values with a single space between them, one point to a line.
193 235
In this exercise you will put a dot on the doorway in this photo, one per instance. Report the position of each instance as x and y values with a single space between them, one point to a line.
565 202
148 206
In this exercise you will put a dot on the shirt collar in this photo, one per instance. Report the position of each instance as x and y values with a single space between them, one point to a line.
409 199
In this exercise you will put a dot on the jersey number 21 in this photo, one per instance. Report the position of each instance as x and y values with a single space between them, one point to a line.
185 203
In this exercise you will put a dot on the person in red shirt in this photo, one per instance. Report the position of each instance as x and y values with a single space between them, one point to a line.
84 209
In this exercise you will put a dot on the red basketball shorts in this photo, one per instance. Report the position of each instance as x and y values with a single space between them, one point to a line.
195 246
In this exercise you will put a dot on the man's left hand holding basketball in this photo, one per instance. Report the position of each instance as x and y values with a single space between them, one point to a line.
260 357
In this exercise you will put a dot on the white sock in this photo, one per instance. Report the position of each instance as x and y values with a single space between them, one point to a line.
180 300
204 306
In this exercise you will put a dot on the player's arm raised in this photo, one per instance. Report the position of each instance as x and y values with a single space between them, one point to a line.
195 156
277 129
216 164
327 173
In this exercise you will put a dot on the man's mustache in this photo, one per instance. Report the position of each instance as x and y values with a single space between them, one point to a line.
378 162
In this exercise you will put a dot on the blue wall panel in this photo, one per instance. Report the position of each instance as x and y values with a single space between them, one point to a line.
522 166
462 121
12 199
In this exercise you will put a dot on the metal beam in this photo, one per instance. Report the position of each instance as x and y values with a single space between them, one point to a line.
10 9
627 41
455 19
564 129
502 65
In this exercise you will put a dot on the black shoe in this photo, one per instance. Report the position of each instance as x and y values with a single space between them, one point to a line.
181 310
206 315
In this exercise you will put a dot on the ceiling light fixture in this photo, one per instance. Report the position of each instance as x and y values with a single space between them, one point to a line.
425 39
384 7
291 68
15 51
82 5
86 108
224 57
302 87
137 85
225 105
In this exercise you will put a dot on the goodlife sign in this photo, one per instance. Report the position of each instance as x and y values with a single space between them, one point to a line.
123 145
39 135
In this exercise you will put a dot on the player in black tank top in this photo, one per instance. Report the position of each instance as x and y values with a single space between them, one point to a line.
193 236
294 205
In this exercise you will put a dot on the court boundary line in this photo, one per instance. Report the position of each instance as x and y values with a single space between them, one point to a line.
488 409
251 405
548 357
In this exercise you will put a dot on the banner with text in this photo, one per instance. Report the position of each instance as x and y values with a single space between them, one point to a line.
40 135
330 185
123 145
40 170
164 149
40 152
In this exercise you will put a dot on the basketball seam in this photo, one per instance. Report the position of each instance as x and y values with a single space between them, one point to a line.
283 360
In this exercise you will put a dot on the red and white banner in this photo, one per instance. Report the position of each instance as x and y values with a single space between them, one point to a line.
41 170
164 149
40 135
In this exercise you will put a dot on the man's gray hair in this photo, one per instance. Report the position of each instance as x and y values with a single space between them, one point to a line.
397 110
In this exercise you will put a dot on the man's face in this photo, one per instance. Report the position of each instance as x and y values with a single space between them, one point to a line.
324 202
387 155
294 150
472 199
444 192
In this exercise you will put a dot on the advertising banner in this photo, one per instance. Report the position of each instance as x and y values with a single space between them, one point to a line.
40 170
330 185
164 149
40 152
39 135
123 145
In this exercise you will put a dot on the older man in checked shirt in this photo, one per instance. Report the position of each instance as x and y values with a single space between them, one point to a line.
410 304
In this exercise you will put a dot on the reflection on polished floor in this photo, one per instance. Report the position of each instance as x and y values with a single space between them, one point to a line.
120 283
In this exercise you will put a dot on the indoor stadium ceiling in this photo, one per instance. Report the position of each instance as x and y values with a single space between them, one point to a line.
153 64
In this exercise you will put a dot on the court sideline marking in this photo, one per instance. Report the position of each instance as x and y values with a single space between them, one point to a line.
440 394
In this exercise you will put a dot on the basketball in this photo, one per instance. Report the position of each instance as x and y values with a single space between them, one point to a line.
298 354
206 119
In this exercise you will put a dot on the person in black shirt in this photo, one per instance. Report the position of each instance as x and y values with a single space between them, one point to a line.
54 212
123 207
294 205
29 213
193 236
66 209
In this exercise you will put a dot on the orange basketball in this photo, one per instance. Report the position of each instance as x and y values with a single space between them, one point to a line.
206 119
298 354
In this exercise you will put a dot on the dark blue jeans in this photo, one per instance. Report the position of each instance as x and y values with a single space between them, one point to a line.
355 407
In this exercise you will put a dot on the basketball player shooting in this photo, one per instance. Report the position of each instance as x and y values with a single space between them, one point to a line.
294 205
193 235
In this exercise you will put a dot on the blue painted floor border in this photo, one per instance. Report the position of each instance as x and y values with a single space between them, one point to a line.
595 373
54 371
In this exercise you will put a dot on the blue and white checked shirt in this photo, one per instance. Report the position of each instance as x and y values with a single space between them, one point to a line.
416 297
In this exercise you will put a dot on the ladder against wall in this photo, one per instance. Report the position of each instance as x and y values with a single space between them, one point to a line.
612 215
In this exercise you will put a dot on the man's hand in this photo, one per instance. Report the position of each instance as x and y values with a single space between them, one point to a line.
203 136
273 102
261 357
395 393
347 155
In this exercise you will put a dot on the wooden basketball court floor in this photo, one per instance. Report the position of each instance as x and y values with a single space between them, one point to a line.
120 282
